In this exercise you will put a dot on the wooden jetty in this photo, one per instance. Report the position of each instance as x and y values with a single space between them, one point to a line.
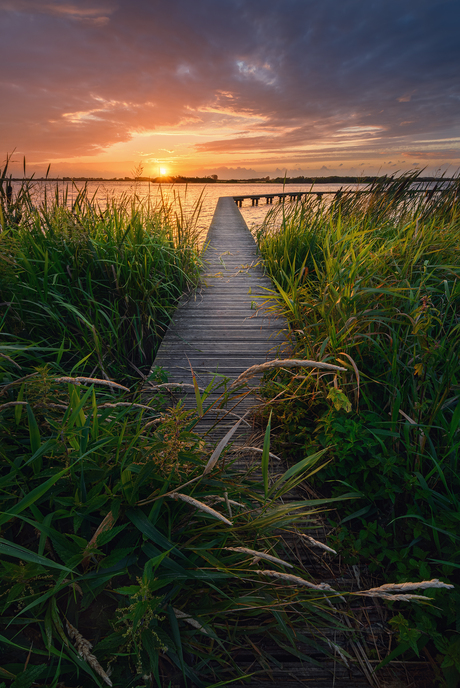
223 328
281 196
298 195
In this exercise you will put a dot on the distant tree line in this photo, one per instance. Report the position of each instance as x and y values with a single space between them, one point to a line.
213 178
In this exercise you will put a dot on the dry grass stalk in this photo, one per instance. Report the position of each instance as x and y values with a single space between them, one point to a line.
90 380
73 585
120 403
13 403
259 555
201 506
337 649
107 523
215 498
280 363
220 447
153 422
296 580
393 598
256 449
228 505
190 620
16 382
316 543
83 648
125 403
355 368
10 360
168 385
230 413
400 590
408 418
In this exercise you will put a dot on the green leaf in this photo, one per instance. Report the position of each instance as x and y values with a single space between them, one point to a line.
29 676
339 399
34 432
199 400
18 409
31 497
176 636
11 550
140 520
300 467
266 455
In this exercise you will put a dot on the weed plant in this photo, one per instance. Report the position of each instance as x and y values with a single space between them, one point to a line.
371 282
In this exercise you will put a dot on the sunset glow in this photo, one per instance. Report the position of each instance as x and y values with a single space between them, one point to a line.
237 89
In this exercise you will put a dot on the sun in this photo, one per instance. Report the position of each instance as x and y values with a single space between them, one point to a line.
163 171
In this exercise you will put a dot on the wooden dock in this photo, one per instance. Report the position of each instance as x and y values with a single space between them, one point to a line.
282 196
298 195
223 328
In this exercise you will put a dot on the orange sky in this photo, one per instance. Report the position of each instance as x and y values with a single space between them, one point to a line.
238 88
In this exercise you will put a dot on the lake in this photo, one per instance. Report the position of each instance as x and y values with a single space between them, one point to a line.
182 195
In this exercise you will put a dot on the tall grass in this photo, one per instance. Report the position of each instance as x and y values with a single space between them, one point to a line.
130 556
101 281
121 533
372 282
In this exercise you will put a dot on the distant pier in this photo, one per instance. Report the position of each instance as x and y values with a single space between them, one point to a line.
298 195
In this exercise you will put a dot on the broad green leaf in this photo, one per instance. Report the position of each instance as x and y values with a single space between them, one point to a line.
11 550
18 409
34 432
300 467
141 522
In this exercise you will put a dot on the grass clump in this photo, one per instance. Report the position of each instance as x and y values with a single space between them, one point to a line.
371 282
102 282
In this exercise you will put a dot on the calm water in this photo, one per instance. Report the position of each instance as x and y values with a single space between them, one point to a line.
183 196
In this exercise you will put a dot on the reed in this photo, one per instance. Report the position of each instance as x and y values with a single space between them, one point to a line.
101 281
107 536
370 282
106 526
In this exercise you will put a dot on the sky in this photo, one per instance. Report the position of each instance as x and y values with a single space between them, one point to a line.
237 88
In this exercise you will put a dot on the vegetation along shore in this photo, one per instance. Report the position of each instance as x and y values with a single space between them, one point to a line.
374 285
133 555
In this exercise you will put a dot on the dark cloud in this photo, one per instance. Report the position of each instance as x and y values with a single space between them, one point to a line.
343 78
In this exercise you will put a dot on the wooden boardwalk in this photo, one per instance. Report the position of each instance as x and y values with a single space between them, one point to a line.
223 328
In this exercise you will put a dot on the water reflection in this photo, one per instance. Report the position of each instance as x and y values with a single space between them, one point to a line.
184 197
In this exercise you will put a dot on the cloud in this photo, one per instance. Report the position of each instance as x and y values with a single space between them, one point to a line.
256 78
443 153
